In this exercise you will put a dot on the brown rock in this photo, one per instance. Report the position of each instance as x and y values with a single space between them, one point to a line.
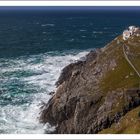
79 105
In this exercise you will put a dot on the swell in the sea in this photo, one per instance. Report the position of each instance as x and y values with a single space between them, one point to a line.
25 83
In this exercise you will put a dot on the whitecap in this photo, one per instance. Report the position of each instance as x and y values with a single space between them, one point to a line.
51 25
44 32
23 118
97 32
83 36
82 30
71 40
37 23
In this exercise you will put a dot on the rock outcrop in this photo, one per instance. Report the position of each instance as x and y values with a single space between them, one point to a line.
94 93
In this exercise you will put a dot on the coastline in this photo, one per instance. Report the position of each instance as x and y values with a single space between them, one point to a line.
88 99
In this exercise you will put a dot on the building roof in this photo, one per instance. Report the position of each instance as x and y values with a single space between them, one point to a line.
131 27
126 32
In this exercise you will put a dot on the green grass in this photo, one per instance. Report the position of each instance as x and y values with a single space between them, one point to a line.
123 76
129 124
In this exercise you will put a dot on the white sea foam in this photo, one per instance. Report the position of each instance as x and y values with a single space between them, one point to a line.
51 25
71 40
46 68
83 36
44 32
82 30
97 32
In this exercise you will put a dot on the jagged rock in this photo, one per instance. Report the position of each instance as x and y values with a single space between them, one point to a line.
90 96
67 72
51 93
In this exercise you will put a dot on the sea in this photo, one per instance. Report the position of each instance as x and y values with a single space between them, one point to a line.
36 44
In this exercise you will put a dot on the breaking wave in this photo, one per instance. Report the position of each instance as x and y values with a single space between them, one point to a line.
25 83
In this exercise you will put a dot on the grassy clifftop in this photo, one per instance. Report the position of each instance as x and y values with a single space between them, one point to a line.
122 75
128 124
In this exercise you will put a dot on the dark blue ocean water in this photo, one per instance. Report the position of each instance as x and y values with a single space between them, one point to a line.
34 47
35 32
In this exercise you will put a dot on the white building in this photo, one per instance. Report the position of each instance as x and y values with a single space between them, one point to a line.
132 30
131 27
126 34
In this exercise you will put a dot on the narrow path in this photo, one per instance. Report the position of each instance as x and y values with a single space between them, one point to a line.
128 60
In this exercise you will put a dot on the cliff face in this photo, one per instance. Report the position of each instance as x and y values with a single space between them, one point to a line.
95 93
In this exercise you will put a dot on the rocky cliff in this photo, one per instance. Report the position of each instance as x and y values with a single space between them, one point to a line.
94 95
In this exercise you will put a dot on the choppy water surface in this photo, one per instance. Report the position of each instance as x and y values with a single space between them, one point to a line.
34 47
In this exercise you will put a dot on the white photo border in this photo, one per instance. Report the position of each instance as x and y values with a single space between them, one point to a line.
69 3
